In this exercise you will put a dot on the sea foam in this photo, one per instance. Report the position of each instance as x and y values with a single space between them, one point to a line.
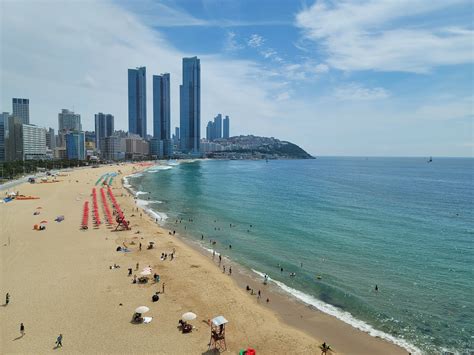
344 316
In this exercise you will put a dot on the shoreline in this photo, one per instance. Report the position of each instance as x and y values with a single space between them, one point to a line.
61 281
287 306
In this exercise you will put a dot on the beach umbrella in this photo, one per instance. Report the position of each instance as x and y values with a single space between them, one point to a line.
188 316
142 309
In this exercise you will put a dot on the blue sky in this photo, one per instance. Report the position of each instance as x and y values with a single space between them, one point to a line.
368 77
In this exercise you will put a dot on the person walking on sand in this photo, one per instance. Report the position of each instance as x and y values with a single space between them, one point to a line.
59 341
137 266
140 246
230 270
7 299
259 294
223 267
22 329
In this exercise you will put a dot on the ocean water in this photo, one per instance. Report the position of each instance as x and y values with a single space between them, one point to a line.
402 224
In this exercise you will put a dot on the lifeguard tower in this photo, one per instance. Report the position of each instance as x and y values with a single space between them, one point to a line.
218 334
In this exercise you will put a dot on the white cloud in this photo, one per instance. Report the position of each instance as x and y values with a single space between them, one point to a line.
255 40
60 63
367 35
357 92
231 42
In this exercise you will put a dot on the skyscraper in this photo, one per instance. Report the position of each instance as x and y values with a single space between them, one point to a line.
210 131
2 138
69 121
75 145
190 106
104 127
218 126
137 101
21 109
226 133
50 139
34 142
14 139
161 112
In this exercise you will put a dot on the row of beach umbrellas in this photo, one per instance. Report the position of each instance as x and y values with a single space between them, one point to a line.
95 208
106 207
85 215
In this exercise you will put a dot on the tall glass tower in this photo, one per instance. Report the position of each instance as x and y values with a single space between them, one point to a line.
161 112
21 109
137 101
104 127
190 106
226 127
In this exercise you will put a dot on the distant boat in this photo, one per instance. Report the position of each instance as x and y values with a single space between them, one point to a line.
430 160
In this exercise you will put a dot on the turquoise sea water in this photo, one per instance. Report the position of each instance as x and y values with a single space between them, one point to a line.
401 223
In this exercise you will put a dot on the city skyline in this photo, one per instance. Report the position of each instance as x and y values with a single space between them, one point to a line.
418 106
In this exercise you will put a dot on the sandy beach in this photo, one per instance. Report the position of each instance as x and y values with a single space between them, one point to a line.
60 281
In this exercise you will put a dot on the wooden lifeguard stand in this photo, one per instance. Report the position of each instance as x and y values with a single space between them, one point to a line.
218 334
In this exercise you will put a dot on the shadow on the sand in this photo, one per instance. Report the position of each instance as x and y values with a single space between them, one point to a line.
211 352
18 338
57 347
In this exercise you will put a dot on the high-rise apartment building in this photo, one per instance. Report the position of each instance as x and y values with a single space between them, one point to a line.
2 138
210 131
69 121
190 106
34 142
226 128
14 139
75 145
50 139
218 126
104 127
137 101
21 109
161 115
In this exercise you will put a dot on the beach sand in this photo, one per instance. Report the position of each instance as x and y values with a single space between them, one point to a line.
60 282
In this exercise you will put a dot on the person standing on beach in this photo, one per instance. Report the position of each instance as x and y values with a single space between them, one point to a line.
137 266
223 267
7 299
230 270
59 341
22 329
220 258
163 288
140 246
259 294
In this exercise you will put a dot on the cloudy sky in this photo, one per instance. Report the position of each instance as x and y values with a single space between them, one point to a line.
368 77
